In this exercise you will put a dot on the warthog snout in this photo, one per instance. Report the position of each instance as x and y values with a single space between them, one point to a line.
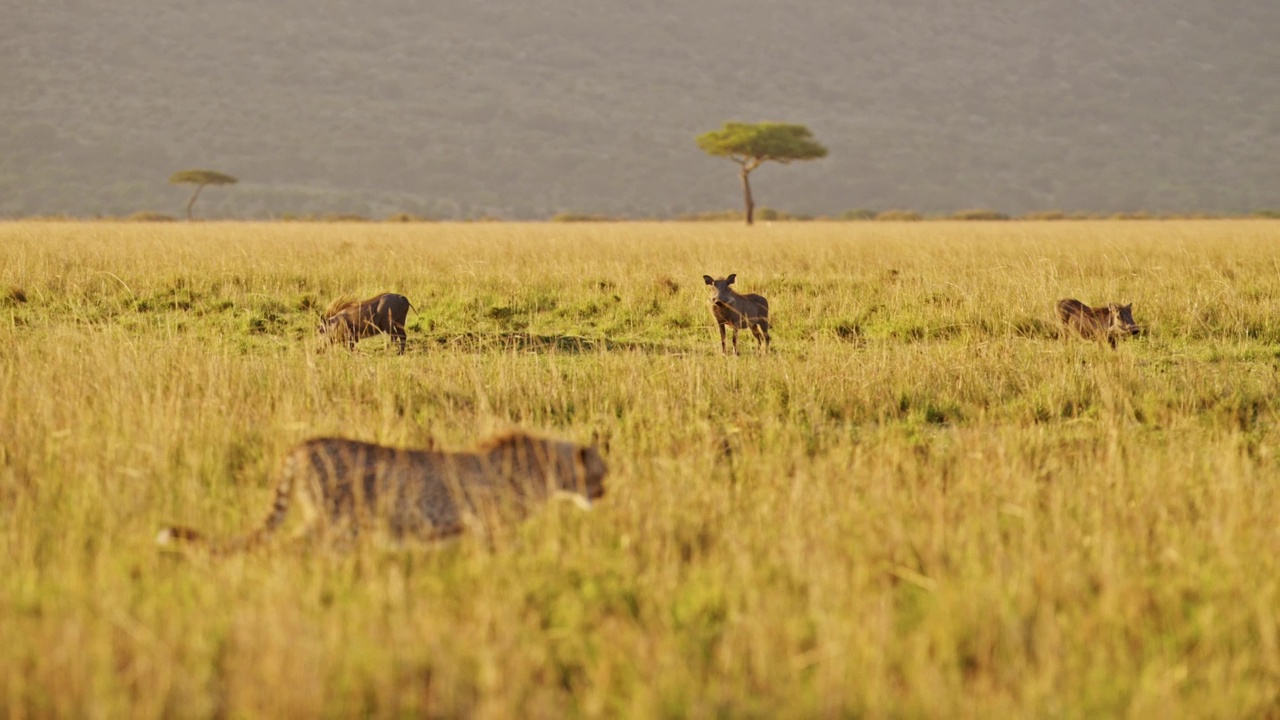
348 321
1110 322
739 312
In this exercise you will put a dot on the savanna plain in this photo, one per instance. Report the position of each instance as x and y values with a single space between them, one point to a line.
921 503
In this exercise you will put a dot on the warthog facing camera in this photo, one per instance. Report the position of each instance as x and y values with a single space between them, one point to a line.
1110 322
739 312
349 321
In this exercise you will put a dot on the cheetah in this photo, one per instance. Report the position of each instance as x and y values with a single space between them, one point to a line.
347 489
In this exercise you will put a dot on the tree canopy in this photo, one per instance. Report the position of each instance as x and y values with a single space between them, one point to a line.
753 144
200 178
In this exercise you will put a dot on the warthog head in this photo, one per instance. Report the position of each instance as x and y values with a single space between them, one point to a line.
334 329
723 293
1122 320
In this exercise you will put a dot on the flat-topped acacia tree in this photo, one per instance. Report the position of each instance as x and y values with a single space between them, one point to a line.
200 178
753 144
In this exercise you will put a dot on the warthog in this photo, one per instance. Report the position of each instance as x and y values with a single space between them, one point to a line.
348 321
1112 322
739 312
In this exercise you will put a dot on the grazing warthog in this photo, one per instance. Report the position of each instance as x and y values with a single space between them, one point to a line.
739 312
1110 322
348 321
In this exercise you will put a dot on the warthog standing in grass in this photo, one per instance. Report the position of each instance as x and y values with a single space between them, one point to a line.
1112 322
739 312
349 321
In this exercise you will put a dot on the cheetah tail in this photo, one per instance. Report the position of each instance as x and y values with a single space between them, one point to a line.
177 535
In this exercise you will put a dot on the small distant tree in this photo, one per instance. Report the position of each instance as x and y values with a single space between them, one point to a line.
753 144
979 214
200 178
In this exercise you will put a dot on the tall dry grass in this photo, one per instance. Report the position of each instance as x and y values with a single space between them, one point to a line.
923 503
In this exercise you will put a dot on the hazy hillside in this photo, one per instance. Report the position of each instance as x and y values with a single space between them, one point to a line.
524 109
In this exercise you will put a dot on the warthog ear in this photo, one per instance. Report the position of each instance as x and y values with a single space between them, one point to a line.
729 280
708 279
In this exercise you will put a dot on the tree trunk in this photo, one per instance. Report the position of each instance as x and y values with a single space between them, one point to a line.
746 195
192 201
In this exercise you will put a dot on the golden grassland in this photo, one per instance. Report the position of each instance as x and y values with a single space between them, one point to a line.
923 503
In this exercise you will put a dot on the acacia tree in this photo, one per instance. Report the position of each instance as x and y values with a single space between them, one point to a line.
200 178
752 144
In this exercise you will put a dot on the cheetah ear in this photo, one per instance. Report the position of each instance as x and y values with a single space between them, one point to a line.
579 465
729 280
598 442
708 279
